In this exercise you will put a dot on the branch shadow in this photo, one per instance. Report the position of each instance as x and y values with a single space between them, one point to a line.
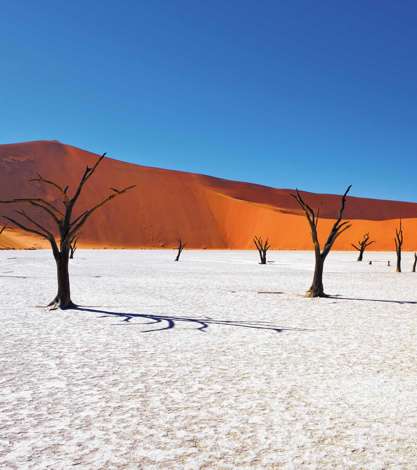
168 322
13 277
399 302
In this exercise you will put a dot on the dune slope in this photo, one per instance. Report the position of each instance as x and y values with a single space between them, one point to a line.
204 211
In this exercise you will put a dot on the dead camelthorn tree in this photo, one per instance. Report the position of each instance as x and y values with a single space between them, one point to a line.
67 224
262 247
340 226
415 263
181 246
399 240
73 247
362 245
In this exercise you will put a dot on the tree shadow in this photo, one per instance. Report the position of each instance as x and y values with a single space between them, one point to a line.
168 322
270 292
399 302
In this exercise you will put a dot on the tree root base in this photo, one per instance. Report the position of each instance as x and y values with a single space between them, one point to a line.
57 305
311 295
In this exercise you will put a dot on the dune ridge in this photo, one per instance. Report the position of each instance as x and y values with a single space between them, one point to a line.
204 211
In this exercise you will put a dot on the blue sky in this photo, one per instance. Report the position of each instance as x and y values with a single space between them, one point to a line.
313 94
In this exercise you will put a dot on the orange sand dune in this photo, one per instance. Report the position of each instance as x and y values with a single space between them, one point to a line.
206 212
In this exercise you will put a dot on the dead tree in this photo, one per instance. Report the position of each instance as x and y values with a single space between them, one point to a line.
73 247
415 263
362 245
68 225
340 226
262 247
399 240
181 246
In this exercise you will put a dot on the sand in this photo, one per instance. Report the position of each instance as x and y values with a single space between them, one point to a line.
205 212
188 366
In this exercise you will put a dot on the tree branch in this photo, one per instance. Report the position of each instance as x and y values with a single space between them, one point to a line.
80 220
23 227
87 174
48 234
312 220
41 179
33 200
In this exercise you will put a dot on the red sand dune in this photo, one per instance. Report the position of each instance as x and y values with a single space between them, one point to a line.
205 212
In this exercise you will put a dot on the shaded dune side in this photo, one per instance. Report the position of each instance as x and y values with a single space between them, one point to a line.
206 212
357 208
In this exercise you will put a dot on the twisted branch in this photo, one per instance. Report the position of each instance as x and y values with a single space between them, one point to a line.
337 229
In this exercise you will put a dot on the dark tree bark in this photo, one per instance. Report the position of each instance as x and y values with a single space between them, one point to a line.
73 247
181 246
262 247
340 226
67 225
415 263
362 245
399 240
63 297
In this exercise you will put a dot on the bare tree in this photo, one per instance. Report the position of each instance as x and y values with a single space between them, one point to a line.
399 240
67 225
415 263
362 245
340 226
181 246
262 247
73 247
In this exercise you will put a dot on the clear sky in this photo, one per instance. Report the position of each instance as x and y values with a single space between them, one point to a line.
313 94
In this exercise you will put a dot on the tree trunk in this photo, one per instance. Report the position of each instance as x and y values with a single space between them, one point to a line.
262 256
63 297
398 261
360 257
316 289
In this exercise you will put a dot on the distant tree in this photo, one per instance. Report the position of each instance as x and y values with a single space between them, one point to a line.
180 247
415 263
67 225
73 247
262 247
340 226
362 245
399 240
